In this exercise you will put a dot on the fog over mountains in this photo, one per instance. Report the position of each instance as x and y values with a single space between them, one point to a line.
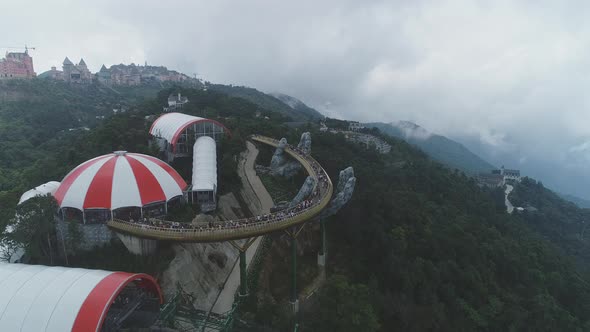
437 147
472 155
564 172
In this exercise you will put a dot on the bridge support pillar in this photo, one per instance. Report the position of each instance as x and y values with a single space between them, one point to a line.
243 248
243 275
294 269
323 248
294 299
138 246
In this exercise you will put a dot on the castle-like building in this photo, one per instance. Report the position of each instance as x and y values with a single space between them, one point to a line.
499 177
76 73
135 75
70 72
115 75
17 65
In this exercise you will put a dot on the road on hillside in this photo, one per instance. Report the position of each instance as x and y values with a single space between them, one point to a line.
226 297
509 207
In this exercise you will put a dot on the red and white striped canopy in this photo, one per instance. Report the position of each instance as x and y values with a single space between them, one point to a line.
119 179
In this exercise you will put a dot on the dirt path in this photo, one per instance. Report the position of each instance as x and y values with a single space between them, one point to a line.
255 182
260 202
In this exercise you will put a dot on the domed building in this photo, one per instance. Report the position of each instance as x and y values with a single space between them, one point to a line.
176 133
119 185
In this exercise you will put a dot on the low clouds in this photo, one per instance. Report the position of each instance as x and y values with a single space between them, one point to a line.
512 75
579 156
411 131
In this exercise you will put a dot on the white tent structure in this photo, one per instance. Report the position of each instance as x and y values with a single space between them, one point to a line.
204 184
45 189
42 298
119 185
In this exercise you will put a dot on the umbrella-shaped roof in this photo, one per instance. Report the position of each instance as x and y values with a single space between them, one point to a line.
119 179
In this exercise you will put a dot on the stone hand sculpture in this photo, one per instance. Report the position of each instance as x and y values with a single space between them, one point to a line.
305 143
280 165
344 191
304 192
278 158
343 177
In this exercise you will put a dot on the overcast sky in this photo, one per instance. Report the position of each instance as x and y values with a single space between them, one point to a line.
512 74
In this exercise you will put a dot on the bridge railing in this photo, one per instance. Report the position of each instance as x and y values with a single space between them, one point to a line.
240 228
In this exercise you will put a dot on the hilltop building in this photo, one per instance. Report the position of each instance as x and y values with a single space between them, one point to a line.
76 73
129 75
125 75
104 76
175 102
17 65
499 177
510 174
135 75
72 73
53 74
355 126
369 141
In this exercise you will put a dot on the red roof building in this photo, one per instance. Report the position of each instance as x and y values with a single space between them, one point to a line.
17 65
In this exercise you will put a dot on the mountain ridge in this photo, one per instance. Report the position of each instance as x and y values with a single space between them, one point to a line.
438 147
297 105
266 101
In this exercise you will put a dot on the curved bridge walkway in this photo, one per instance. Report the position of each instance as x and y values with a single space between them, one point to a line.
242 228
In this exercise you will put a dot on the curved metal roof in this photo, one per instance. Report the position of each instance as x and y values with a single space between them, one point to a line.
41 298
169 126
204 164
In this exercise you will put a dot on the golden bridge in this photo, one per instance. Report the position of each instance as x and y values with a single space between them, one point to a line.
241 228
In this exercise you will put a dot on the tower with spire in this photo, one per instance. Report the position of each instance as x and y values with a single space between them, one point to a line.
104 76
76 73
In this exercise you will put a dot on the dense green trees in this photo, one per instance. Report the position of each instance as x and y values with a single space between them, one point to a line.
44 131
343 307
439 254
34 228
560 221
418 248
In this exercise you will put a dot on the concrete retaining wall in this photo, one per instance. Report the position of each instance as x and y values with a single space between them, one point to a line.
92 235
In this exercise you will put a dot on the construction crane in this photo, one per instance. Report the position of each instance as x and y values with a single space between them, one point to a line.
18 48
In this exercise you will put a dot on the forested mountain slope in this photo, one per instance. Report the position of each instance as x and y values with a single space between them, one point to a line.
268 102
560 221
439 254
580 202
40 117
48 127
298 105
419 247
